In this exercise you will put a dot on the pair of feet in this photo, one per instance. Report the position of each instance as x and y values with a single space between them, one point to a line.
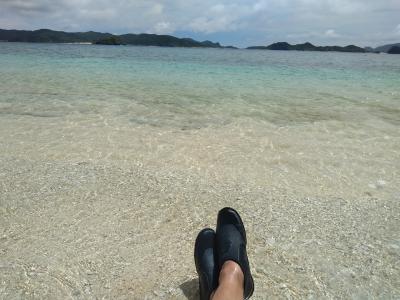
221 257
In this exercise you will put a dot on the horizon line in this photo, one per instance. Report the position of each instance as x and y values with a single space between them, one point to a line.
157 34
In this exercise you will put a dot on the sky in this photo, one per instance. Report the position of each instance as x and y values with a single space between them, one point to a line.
232 22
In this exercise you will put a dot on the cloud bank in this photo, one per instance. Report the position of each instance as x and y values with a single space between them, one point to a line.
238 22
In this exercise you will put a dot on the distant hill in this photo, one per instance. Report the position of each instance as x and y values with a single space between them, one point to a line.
386 48
308 47
51 36
394 50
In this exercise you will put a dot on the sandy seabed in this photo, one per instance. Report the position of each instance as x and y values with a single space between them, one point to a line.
94 208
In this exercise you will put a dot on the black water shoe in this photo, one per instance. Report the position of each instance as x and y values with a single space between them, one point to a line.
231 245
205 260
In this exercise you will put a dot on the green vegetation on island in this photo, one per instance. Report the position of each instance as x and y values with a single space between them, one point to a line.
112 40
144 39
51 36
308 47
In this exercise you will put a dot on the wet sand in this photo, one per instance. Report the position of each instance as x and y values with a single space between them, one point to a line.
94 208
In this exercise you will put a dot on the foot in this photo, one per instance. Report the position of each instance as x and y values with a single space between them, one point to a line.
231 245
204 257
231 282
231 272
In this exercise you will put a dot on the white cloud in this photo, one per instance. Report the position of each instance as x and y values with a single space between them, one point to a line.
219 8
163 28
357 21
331 33
157 9
222 18
211 25
259 6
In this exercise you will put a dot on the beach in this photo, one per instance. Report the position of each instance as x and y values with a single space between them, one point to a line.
114 158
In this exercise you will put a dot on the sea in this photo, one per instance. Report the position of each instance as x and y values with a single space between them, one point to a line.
192 88
113 158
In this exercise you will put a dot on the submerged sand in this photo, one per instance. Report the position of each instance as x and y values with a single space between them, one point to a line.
94 208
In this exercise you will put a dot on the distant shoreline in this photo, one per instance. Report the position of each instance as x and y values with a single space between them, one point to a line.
144 39
309 47
92 37
83 43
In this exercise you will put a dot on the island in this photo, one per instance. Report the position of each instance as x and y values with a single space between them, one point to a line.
146 39
308 47
92 37
386 48
394 50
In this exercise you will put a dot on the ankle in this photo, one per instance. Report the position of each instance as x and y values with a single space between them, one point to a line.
231 272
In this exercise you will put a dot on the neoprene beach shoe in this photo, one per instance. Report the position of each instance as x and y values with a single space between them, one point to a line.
205 260
231 245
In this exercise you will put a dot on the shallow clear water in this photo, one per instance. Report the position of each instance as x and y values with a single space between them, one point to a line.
198 87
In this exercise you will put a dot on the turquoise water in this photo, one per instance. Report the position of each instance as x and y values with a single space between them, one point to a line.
195 88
